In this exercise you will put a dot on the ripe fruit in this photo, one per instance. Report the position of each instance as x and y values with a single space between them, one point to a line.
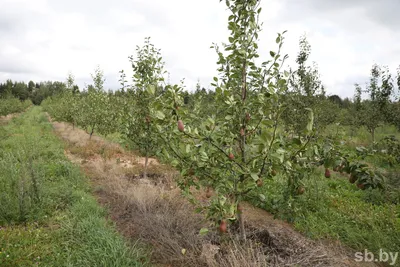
239 208
361 186
231 156
181 127
301 190
208 193
273 173
248 117
259 182
223 226
191 171
327 173
352 178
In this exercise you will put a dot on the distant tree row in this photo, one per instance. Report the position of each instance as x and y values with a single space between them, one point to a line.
36 92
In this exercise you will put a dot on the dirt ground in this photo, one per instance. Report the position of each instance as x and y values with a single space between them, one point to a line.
153 211
5 119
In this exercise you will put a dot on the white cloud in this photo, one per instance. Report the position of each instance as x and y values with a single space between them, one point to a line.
44 39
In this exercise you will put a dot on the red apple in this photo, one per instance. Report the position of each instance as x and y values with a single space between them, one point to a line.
239 208
353 178
223 226
301 190
327 173
181 127
208 193
248 117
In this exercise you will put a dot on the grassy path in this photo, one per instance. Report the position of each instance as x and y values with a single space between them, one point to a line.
48 216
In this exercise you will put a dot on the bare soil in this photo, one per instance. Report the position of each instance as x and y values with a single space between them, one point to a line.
153 211
7 118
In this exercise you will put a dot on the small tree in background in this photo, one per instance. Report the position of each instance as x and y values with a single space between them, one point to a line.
94 106
375 110
148 74
305 90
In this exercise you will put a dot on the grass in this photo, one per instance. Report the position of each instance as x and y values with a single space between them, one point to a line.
48 215
335 209
361 136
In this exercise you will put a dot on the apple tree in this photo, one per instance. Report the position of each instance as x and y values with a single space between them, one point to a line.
239 144
148 75
93 109
374 110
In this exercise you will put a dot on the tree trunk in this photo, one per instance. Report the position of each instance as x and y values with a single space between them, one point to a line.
146 161
91 133
243 145
241 226
373 135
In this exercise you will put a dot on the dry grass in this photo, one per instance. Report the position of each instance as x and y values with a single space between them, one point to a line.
168 222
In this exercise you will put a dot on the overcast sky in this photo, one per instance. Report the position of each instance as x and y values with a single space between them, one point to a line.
45 39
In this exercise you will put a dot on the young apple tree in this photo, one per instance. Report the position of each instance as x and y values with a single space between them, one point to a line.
305 90
147 77
239 144
380 89
94 105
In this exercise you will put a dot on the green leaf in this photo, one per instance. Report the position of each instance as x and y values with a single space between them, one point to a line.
286 73
151 89
310 120
203 231
203 156
278 39
280 157
160 115
254 176
272 53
